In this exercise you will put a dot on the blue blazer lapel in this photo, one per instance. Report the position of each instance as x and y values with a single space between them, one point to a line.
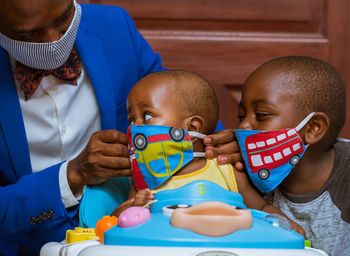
91 52
11 121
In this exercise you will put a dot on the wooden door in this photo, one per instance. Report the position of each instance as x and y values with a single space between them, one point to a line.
225 40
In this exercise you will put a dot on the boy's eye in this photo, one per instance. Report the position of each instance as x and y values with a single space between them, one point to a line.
240 117
147 117
131 122
261 116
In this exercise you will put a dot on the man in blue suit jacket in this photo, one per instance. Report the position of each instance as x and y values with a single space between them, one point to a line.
115 56
65 137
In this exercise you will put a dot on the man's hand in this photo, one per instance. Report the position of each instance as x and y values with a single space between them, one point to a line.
105 156
224 146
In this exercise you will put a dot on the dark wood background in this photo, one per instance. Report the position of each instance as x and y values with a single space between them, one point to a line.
225 40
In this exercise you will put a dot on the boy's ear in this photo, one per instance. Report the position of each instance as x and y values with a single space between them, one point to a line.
195 123
316 128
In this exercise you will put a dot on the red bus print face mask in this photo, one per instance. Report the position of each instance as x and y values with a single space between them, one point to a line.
269 156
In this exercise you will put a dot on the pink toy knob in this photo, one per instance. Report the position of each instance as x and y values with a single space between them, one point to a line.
133 216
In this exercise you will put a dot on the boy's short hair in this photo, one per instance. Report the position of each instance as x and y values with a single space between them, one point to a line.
316 85
196 95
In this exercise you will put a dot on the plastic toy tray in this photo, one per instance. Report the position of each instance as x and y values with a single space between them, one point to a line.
267 236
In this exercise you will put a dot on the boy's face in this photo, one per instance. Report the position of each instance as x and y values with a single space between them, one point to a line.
265 105
153 101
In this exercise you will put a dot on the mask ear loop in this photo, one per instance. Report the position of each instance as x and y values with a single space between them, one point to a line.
197 134
201 136
198 154
303 123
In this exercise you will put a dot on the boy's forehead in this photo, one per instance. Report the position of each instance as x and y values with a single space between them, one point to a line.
153 85
270 85
276 79
153 92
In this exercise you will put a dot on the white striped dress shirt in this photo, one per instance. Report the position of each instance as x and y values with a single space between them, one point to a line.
59 119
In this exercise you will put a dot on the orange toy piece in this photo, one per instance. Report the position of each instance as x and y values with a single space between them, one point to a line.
104 224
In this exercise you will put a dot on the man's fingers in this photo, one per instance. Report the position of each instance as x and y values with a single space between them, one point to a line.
101 144
103 174
110 136
225 148
229 159
115 150
228 148
115 162
110 173
239 166
221 137
226 154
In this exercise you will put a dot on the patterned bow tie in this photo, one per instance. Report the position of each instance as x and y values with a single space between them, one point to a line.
30 78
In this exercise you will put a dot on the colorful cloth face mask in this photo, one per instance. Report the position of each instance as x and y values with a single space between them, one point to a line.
271 155
157 152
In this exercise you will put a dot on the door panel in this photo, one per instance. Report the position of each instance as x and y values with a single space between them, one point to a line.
225 40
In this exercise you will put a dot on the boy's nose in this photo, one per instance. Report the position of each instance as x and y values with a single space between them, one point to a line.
245 125
138 122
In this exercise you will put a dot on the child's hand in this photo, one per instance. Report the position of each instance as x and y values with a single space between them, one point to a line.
274 210
142 197
296 227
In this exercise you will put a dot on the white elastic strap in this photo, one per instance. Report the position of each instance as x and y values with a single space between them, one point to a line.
201 136
303 123
198 154
197 134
